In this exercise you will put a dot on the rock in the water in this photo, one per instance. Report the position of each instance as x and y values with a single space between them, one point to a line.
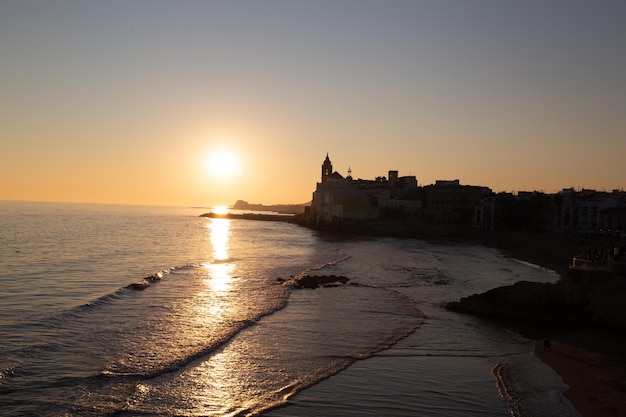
598 303
527 300
314 281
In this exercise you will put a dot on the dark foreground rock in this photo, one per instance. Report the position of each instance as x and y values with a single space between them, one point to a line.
597 303
312 281
528 301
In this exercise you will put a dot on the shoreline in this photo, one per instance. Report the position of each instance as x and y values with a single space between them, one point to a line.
596 378
588 361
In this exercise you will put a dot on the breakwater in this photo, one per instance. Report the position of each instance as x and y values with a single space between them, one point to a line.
253 216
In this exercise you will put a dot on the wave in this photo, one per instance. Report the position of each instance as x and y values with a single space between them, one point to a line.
177 365
121 292
5 374
121 337
501 373
293 279
531 388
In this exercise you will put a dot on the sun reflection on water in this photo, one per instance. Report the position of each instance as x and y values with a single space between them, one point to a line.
220 270
219 279
220 232
231 374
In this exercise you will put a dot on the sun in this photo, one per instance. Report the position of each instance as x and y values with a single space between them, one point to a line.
223 163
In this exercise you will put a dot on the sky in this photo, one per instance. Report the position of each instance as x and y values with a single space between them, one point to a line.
127 101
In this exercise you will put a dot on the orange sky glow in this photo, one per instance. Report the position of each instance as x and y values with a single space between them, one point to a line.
117 102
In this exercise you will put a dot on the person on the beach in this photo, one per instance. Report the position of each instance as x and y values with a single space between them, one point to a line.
546 344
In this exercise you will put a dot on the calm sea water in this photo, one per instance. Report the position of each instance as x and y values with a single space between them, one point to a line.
129 311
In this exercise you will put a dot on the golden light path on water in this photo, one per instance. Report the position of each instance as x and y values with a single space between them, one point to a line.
220 233
217 396
214 299
258 364
227 383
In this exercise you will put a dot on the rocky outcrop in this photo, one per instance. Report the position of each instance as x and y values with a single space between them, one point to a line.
314 281
528 301
596 303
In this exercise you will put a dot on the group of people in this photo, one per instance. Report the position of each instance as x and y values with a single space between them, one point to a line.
600 255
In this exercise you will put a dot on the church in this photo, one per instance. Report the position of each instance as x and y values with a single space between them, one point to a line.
337 197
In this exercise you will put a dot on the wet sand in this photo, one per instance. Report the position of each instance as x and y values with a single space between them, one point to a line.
591 366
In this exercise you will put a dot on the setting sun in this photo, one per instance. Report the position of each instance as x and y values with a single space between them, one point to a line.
220 210
223 163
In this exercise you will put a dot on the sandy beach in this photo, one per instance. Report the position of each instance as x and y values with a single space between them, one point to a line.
590 362
591 365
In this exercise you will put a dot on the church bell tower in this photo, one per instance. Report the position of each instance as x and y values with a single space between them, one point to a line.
327 169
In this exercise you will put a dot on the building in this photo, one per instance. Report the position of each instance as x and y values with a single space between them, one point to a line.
585 213
490 211
580 212
396 198
614 221
336 197
399 198
339 198
450 202
526 211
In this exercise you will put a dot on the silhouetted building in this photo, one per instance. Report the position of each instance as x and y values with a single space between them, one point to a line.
570 212
338 198
327 169
451 202
491 211
614 221
580 211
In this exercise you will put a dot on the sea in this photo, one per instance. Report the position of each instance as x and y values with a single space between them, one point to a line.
110 310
